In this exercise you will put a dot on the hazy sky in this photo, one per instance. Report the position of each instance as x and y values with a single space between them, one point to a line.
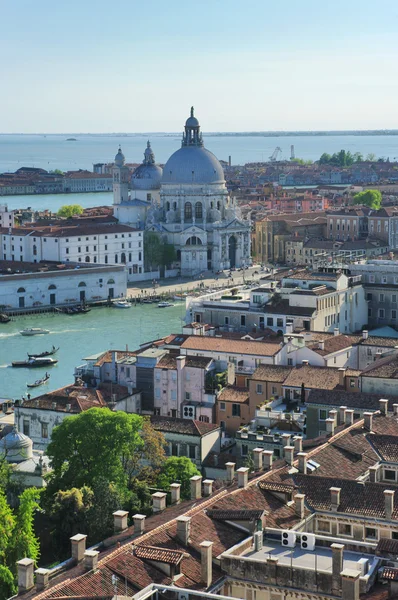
100 66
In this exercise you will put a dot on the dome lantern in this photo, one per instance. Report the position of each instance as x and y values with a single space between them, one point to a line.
192 135
119 158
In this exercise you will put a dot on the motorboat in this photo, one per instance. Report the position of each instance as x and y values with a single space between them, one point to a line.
44 354
4 318
34 331
39 382
121 304
75 310
33 363
165 304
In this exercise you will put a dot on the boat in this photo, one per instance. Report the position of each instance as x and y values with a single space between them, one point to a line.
180 297
32 363
121 304
71 139
34 331
76 310
39 381
165 304
4 318
44 354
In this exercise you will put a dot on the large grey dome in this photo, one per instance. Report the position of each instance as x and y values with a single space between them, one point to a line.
193 164
16 446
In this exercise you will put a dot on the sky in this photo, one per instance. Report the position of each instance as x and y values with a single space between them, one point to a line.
137 66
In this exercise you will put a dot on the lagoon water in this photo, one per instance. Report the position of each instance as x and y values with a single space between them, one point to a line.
78 336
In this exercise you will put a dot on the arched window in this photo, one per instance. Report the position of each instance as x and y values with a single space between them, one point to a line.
178 255
87 259
188 211
194 241
123 258
211 204
198 210
174 205
204 419
218 205
129 256
52 287
116 258
82 284
21 290
95 259
110 281
167 206
34 249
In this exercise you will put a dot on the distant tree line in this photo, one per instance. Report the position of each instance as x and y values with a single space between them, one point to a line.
345 158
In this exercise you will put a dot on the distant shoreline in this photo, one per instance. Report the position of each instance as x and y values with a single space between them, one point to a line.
370 132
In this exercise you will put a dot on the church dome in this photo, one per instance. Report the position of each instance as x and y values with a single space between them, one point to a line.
192 163
119 158
16 446
148 175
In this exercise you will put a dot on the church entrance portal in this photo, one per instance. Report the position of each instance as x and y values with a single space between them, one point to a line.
232 251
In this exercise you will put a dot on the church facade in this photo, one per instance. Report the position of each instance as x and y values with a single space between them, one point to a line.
188 205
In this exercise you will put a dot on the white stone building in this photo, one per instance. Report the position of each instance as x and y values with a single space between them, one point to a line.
86 181
7 218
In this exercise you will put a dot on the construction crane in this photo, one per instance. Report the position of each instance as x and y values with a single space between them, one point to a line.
275 154
292 155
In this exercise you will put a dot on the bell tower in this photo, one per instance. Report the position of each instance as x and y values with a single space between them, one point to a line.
121 175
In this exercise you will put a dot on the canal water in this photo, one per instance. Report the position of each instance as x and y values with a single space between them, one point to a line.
78 336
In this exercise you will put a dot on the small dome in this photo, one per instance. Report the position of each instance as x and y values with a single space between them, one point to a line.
119 158
16 446
192 121
147 176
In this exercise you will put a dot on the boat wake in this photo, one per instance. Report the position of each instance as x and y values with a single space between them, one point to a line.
8 335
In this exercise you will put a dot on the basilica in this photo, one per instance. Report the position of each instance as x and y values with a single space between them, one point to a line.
187 204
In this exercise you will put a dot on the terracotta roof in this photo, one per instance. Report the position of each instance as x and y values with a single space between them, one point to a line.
276 486
215 344
273 373
324 378
235 515
334 343
106 357
338 398
386 368
182 426
232 393
168 361
382 342
198 362
71 399
387 546
171 557
386 446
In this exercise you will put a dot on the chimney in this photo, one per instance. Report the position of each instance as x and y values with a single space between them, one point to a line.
302 462
68 407
91 560
285 439
196 487
139 523
389 503
383 403
349 417
175 489
41 578
305 363
289 452
268 456
183 529
299 500
78 546
337 566
120 520
258 540
374 474
330 426
158 501
341 371
258 459
208 487
342 410
243 477
206 563
350 584
335 498
25 574
395 409
368 420
289 327
336 331
333 415
365 334
298 443
230 471
321 345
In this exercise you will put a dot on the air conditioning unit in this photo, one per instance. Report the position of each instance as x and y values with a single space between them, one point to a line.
189 412
308 541
288 538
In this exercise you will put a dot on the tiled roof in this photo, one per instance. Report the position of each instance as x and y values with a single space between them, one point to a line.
276 486
387 546
323 378
235 515
335 343
386 446
71 399
198 362
386 368
338 398
215 344
273 373
283 308
182 426
356 498
171 557
380 342
232 393
168 361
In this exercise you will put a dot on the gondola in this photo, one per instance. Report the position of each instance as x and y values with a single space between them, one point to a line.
4 318
39 382
44 354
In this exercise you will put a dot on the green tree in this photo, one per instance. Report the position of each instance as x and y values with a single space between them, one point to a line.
56 172
152 251
106 499
69 210
325 159
25 541
169 254
358 157
371 157
68 513
177 469
371 198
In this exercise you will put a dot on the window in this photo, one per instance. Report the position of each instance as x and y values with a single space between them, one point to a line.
393 314
345 529
204 419
270 321
243 320
381 297
352 383
187 211
244 450
21 290
274 390
187 395
389 475
236 410
173 395
226 320
157 393
290 362
259 388
370 533
279 322
324 526
67 250
44 430
222 405
322 414
191 452
381 313
174 449
79 249
26 427
394 298
369 297
198 210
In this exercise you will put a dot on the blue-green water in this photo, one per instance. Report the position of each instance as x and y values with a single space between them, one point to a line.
78 336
